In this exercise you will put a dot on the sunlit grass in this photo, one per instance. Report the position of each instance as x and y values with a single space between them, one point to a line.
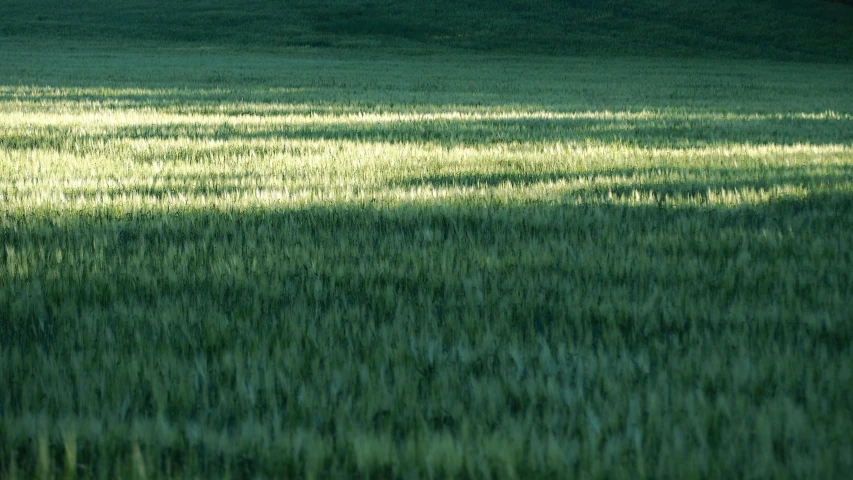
313 275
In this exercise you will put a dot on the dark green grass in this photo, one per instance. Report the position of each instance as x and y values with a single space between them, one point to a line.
268 323
318 311
778 29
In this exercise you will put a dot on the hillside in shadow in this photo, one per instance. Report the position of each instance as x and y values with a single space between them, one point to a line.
789 29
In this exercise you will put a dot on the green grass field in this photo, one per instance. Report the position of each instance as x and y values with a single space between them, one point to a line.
779 29
422 260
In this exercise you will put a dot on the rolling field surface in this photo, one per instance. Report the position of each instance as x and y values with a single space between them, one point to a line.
798 30
331 264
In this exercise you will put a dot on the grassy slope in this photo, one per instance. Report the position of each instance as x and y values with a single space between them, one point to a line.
782 29
451 265
766 397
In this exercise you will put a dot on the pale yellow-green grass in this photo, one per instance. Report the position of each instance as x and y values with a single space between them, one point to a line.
309 265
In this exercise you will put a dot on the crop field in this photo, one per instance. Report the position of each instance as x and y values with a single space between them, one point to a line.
328 264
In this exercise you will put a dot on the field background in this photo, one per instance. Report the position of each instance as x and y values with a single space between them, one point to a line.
440 239
779 29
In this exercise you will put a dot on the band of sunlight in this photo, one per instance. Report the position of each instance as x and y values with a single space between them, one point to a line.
151 195
19 120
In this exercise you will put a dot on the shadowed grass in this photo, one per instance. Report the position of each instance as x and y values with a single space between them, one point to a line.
778 29
190 326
